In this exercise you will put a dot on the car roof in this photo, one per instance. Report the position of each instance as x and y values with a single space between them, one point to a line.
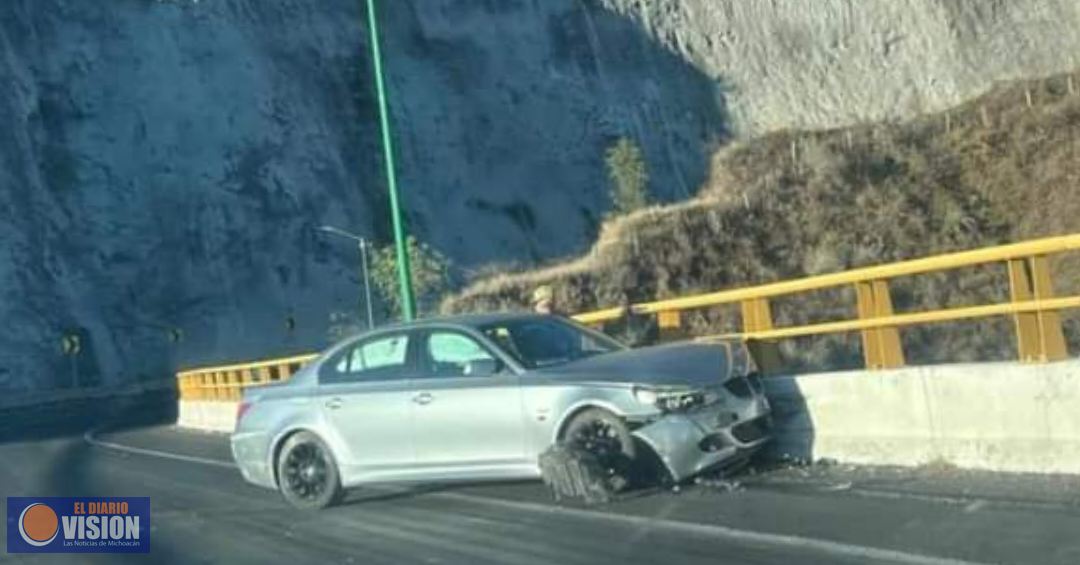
470 320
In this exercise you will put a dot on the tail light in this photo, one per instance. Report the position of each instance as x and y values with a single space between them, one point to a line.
241 409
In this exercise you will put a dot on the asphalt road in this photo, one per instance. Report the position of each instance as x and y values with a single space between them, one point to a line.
203 512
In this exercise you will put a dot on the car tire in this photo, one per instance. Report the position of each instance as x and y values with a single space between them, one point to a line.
607 438
307 475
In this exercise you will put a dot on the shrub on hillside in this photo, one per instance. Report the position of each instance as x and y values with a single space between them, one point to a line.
628 175
795 204
430 275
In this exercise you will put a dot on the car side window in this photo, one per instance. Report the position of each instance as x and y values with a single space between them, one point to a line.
548 343
380 358
452 354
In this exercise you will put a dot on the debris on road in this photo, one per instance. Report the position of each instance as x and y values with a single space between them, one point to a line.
719 483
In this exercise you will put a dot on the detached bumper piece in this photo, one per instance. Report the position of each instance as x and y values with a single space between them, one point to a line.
575 474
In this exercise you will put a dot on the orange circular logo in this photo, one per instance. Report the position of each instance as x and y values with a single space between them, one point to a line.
38 524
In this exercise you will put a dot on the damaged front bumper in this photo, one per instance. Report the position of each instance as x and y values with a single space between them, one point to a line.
721 434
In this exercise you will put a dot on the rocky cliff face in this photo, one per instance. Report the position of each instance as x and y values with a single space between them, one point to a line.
828 63
163 163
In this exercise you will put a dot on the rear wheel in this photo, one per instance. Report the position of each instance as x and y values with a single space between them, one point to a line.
307 475
607 438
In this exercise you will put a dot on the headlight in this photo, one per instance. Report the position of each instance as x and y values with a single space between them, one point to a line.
669 400
646 396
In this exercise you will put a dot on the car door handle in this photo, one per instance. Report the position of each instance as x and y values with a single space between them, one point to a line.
423 398
334 403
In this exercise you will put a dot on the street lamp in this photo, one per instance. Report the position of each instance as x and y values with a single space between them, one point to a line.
408 303
363 243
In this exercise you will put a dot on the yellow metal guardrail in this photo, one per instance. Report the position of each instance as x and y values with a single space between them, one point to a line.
1032 305
225 382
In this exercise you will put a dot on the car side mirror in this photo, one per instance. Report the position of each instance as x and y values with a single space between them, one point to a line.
483 367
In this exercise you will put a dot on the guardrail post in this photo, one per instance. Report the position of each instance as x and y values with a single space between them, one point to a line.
669 323
1038 334
756 317
235 381
242 382
881 346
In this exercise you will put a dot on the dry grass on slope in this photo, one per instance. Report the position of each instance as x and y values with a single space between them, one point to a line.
794 204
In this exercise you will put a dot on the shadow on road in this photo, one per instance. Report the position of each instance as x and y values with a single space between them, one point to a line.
71 472
73 417
363 495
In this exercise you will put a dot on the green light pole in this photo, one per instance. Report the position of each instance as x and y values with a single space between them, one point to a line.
408 303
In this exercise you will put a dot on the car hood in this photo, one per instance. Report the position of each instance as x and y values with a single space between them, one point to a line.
690 364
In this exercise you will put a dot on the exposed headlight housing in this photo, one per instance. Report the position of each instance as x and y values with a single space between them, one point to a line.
646 396
669 400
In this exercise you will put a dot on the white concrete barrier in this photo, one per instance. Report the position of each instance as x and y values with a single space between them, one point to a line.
213 416
995 416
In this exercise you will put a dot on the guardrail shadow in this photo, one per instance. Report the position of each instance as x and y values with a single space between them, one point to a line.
793 429
71 417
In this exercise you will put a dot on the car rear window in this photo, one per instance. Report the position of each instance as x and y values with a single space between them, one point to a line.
378 358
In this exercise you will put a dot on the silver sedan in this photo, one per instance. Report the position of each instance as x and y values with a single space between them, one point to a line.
481 397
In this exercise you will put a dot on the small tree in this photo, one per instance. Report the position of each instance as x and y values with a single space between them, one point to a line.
342 325
430 275
629 179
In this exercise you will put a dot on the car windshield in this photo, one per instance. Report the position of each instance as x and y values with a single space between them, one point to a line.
544 342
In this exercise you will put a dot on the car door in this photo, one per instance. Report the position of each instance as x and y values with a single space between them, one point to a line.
467 406
365 395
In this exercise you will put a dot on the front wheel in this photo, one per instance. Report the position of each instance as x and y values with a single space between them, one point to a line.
307 475
607 438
